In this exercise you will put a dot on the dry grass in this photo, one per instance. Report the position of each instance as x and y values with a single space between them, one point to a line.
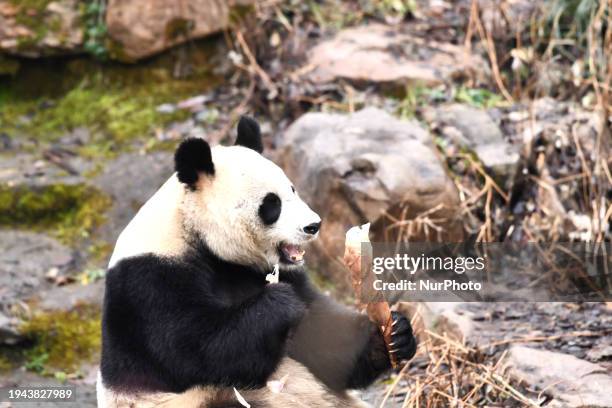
456 375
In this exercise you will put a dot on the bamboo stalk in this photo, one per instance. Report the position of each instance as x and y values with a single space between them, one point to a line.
379 313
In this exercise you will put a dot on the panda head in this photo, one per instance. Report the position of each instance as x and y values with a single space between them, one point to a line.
242 205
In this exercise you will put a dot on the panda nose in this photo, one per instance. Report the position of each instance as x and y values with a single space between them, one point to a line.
313 228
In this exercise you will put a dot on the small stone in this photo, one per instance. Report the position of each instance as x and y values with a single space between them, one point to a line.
518 116
166 108
52 274
207 116
193 104
600 352
9 333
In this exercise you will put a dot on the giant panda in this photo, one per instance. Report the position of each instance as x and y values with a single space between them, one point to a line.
189 319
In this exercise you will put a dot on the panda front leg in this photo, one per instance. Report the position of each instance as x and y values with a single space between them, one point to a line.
343 348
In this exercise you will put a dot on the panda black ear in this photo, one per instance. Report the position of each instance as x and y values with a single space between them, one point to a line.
249 134
193 157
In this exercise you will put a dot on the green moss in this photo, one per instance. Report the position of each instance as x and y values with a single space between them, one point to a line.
478 97
117 103
115 116
6 364
100 251
116 51
35 5
71 212
64 339
30 14
178 28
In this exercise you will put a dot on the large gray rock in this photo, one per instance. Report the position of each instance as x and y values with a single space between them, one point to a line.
25 259
9 330
571 381
33 171
385 54
473 128
68 297
361 167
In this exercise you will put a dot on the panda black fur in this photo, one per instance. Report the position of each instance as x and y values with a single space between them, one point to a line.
188 314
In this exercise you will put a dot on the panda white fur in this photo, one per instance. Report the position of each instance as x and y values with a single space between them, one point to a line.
188 314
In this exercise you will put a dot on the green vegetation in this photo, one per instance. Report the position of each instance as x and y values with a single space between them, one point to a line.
71 212
478 97
413 97
577 31
397 8
100 251
569 18
91 275
337 14
5 363
62 339
416 96
116 103
36 5
95 28
31 14
115 115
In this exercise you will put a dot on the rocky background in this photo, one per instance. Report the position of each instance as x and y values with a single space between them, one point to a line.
432 119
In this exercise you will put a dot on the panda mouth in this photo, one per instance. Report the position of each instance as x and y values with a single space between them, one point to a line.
291 254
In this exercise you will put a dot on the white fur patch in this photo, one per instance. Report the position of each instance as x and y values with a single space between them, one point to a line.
156 227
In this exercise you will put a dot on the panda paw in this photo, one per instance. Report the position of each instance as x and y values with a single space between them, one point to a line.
403 343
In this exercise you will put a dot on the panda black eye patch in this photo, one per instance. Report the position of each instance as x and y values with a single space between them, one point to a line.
270 209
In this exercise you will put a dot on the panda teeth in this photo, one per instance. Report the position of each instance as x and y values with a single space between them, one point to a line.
298 256
294 252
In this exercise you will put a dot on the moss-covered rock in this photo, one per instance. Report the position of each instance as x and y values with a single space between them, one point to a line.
70 212
34 28
63 340
117 103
